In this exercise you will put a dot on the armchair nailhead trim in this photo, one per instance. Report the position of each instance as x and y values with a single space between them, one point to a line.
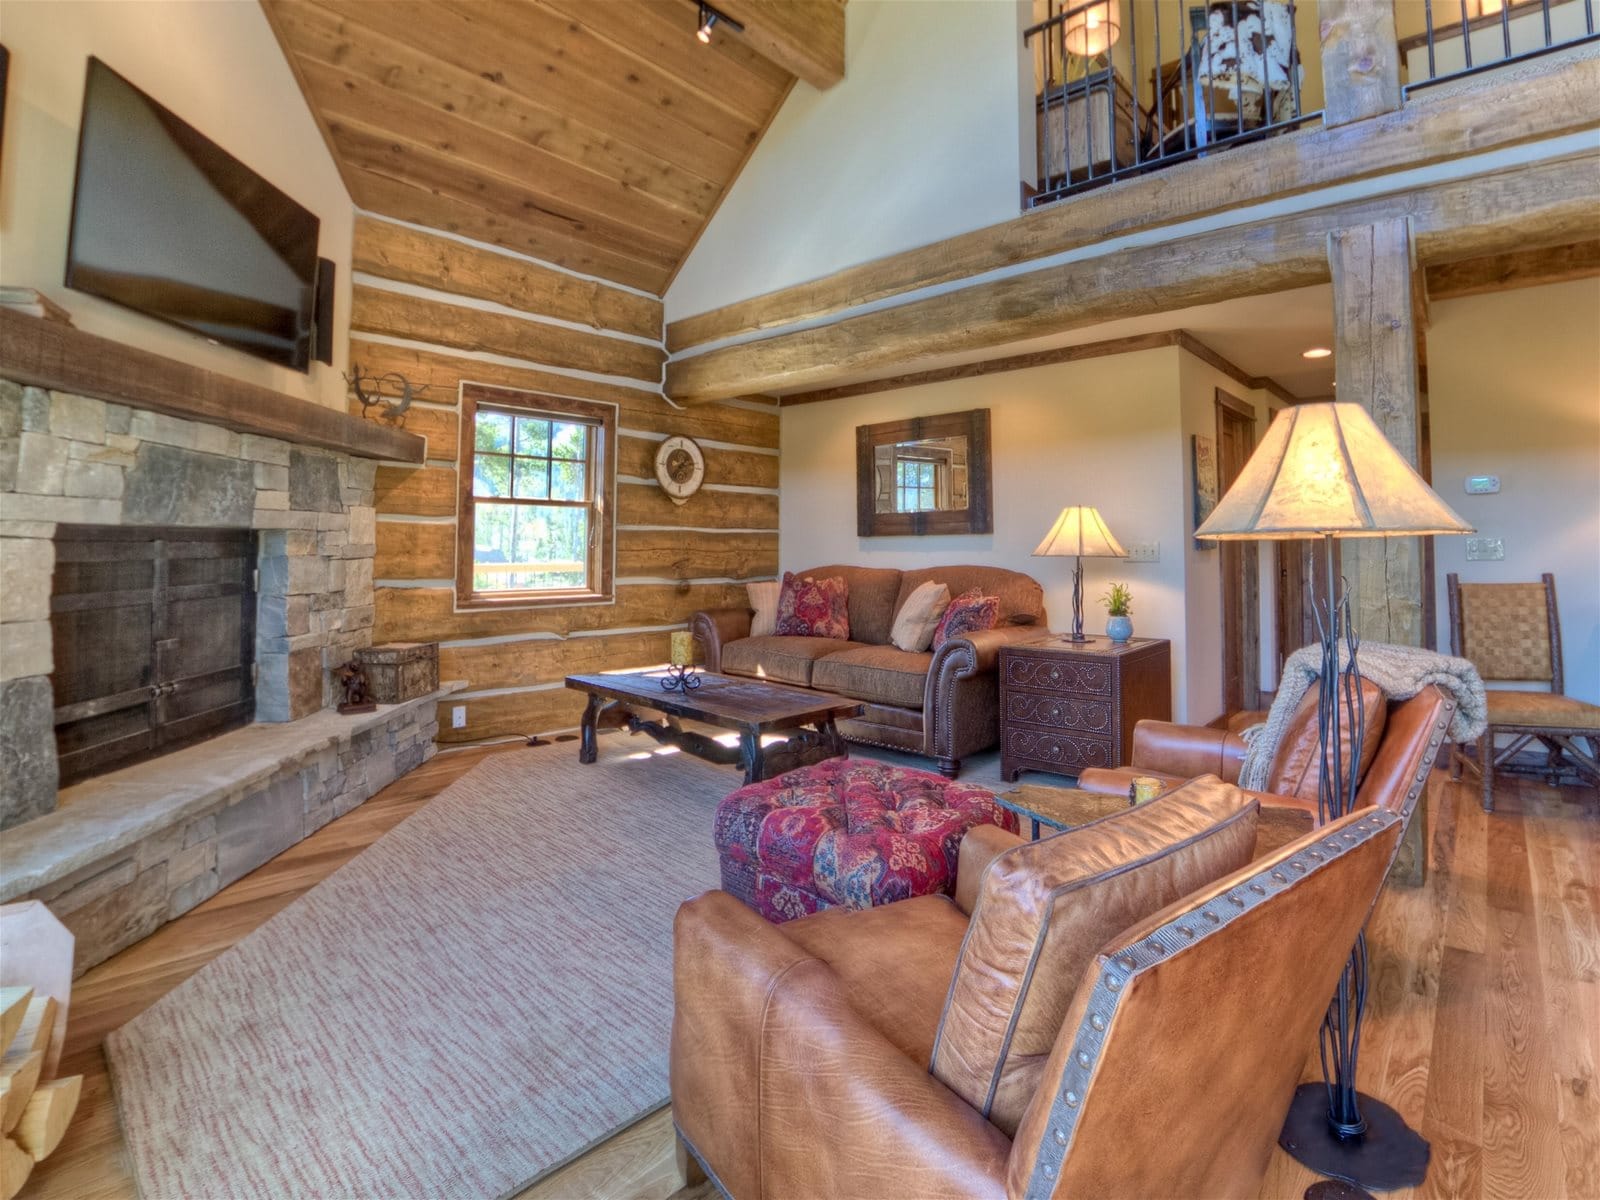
1126 965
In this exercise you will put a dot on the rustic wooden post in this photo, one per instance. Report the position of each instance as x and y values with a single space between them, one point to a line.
1375 332
1360 60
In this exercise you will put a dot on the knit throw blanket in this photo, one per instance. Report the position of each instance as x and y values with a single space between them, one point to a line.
1401 671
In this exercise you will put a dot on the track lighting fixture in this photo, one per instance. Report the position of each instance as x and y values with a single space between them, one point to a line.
710 17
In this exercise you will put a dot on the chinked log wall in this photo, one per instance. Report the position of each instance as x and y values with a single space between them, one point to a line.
421 290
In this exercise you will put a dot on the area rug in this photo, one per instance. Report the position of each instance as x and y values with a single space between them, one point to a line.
479 997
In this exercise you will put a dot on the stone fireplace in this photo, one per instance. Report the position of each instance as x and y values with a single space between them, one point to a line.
117 855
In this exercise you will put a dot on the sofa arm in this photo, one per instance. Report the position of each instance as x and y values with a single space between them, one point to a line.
979 652
1187 750
715 628
981 845
844 1113
726 961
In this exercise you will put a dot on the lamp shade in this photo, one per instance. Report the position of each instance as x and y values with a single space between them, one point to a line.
1328 469
1092 28
1079 531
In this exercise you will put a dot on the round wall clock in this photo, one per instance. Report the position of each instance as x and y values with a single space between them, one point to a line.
680 468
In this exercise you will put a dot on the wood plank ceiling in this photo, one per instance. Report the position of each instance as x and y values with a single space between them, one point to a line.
595 134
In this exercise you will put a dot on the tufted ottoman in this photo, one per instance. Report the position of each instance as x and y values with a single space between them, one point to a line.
847 833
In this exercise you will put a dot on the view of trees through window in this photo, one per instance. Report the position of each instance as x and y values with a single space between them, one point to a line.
532 484
914 483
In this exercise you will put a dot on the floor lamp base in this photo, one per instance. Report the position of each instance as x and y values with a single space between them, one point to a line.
1387 1156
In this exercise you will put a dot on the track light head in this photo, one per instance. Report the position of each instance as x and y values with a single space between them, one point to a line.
709 18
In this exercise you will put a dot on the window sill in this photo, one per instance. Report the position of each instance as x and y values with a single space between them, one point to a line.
532 600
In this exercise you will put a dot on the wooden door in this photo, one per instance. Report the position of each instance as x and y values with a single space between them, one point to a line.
1302 582
1241 593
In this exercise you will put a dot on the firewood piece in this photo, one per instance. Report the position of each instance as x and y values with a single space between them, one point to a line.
36 1028
13 1008
19 1074
44 1121
16 1164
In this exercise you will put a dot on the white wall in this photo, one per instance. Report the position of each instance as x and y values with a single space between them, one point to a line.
1514 391
919 142
1104 432
218 66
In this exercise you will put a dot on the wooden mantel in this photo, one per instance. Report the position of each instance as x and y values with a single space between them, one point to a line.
49 354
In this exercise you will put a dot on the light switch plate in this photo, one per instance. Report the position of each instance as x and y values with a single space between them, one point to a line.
1482 485
458 716
1481 549
1144 551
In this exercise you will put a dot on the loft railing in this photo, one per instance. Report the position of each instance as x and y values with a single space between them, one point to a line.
1127 86
1464 37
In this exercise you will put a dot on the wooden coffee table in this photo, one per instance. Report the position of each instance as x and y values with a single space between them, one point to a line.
1060 808
751 706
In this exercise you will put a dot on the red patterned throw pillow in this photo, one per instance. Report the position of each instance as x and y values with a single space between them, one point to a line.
969 612
810 607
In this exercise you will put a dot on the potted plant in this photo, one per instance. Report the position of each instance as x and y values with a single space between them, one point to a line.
1119 602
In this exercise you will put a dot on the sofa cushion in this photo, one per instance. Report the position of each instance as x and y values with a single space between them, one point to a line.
872 600
783 659
1021 598
1044 908
918 618
809 606
880 674
1297 769
970 612
764 605
898 994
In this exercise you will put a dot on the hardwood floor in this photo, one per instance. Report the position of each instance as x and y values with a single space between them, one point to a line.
1483 1029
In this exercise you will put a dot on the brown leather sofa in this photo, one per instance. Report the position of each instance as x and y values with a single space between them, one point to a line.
944 704
1395 762
1029 1038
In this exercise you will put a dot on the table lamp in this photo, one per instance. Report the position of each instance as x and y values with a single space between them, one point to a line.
1091 28
1326 470
1081 533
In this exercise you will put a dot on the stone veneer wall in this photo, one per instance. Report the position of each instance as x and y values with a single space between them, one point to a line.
67 459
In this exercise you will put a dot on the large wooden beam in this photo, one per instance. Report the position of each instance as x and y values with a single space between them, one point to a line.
1563 99
804 37
1543 204
1375 350
51 355
1518 269
1360 60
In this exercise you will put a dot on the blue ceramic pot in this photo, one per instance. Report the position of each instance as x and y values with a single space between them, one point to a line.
1119 629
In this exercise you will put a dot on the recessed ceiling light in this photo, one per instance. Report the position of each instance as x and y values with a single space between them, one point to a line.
1317 352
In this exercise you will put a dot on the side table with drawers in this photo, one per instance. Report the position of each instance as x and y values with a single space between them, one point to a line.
1066 705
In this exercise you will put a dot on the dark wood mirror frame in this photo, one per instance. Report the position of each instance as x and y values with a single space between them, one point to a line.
977 517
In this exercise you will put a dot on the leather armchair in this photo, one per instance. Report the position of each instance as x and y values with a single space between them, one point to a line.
801 1053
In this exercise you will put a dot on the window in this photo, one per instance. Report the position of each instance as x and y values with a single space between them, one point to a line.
536 477
914 480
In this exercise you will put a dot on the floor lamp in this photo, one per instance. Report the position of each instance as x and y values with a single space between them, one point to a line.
1079 533
1327 471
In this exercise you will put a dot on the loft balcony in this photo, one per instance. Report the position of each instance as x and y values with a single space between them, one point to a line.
1126 87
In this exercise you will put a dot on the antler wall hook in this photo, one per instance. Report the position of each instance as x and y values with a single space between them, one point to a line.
369 389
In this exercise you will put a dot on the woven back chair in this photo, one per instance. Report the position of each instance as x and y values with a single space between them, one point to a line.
1512 633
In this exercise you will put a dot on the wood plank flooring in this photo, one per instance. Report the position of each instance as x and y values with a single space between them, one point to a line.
1483 1030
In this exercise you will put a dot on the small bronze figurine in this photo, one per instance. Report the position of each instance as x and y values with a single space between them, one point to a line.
357 692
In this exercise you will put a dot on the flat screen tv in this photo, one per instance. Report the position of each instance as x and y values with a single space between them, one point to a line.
167 223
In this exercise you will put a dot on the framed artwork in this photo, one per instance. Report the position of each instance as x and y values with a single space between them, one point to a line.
1203 459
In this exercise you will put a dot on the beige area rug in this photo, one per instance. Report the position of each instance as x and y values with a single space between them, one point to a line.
479 997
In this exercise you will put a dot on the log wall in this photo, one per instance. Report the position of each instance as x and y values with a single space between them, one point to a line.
441 311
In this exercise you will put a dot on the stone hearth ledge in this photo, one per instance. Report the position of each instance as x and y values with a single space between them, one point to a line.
101 817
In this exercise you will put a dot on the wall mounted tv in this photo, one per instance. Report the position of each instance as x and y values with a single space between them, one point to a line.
166 222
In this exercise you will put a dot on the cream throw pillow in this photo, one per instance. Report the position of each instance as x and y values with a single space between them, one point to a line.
764 599
919 617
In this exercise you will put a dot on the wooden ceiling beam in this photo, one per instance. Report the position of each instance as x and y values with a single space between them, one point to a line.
1517 269
1563 99
804 37
1544 204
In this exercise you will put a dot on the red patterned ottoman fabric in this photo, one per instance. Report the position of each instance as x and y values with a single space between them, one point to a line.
848 833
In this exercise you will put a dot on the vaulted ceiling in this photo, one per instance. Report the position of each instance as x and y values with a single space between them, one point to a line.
596 134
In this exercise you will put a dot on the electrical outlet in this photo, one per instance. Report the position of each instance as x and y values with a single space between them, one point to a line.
1482 549
458 716
1144 551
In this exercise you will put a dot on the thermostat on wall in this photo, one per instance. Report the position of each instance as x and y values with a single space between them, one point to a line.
1482 485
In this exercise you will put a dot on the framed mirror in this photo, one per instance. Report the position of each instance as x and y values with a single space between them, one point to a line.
924 475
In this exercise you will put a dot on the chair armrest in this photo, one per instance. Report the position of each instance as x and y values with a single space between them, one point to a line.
1187 750
980 846
1115 781
726 961
844 1113
716 627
